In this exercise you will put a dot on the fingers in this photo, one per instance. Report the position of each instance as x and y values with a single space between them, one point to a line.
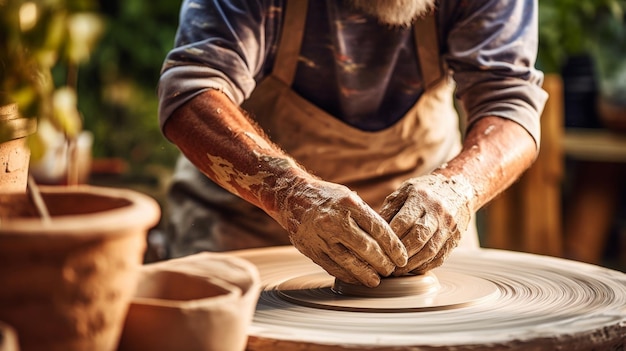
368 224
351 268
428 214
428 252
392 205
424 241
415 241
432 255
417 223
437 260
402 211
434 263
339 262
367 248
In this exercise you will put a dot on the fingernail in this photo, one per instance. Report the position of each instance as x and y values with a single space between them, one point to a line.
388 271
373 282
370 279
402 260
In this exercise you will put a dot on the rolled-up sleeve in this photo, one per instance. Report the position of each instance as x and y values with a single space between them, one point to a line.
491 49
219 45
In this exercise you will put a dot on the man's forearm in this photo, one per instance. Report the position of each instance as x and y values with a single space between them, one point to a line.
327 222
496 151
230 149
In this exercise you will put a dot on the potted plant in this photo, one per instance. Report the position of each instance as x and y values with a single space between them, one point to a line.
69 255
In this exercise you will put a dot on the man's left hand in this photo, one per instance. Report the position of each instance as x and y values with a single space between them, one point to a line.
429 214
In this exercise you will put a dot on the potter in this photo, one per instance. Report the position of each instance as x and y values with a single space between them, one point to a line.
331 125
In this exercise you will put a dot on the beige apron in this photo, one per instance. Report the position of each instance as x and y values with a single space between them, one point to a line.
373 164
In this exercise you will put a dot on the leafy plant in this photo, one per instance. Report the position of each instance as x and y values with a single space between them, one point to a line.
118 98
36 37
573 27
609 53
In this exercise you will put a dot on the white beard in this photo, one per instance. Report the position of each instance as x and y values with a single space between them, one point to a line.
395 12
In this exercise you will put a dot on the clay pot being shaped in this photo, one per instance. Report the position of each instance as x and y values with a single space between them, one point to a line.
67 283
14 154
202 302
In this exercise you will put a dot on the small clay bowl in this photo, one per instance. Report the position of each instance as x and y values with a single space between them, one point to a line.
198 303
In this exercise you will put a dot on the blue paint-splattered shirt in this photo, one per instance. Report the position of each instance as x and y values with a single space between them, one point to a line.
363 73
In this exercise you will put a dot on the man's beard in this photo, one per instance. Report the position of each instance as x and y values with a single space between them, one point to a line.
395 12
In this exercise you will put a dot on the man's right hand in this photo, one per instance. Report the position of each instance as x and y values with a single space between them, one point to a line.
336 229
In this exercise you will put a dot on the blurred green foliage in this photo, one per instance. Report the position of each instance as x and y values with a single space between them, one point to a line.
35 37
585 27
117 87
572 27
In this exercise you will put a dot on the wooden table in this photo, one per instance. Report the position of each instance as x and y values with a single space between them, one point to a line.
594 145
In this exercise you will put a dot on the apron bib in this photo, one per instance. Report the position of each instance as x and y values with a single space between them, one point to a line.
373 164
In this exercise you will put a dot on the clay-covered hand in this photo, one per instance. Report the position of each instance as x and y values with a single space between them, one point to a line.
429 214
336 229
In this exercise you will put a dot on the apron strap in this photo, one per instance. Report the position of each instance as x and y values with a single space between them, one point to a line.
290 42
426 41
286 63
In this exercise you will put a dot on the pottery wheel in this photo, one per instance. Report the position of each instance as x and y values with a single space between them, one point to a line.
487 299
445 290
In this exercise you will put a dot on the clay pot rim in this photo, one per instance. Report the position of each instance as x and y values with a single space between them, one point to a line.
187 266
201 303
214 300
18 128
191 264
228 292
141 210
8 109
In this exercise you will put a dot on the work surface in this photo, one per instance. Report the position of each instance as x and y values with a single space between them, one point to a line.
539 302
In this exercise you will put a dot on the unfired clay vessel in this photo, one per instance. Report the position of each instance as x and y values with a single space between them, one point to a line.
202 302
67 284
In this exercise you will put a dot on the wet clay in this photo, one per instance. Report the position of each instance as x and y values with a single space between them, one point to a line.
541 303
407 285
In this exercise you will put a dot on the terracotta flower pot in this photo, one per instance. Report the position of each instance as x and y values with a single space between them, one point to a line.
14 155
66 285
202 302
